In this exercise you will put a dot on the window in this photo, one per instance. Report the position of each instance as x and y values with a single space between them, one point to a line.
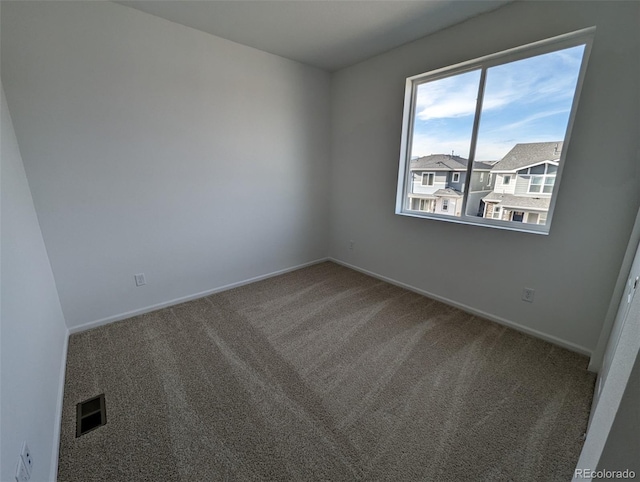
427 178
544 180
424 205
508 114
445 204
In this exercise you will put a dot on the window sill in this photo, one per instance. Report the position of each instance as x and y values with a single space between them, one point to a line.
485 223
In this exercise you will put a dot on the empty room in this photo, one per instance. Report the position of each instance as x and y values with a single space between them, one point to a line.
319 240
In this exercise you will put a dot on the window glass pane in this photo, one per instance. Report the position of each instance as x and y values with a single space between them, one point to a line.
523 121
440 140
551 169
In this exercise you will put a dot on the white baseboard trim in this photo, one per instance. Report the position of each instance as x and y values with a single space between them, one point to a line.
55 451
502 321
176 301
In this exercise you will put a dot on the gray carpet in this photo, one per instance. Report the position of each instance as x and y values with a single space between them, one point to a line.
322 374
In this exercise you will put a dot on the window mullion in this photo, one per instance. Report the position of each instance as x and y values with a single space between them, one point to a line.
474 139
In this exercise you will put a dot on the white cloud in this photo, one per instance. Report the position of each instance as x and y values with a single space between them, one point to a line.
524 102
531 118
448 98
549 77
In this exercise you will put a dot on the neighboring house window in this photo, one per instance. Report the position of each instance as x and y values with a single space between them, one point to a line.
543 179
427 178
487 107
496 212
445 204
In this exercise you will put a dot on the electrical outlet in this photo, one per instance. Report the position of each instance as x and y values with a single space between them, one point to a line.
140 279
26 457
527 294
351 244
21 471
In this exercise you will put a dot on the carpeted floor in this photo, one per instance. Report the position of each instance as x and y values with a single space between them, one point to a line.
322 374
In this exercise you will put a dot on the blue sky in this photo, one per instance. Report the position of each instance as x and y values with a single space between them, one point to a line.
525 101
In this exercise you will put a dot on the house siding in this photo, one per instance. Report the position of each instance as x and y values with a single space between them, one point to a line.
473 202
454 207
458 186
501 187
439 182
477 185
522 185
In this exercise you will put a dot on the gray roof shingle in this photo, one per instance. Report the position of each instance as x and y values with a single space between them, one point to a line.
522 155
448 192
445 162
524 202
440 162
483 166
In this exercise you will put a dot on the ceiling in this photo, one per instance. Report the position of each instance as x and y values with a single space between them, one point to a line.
328 34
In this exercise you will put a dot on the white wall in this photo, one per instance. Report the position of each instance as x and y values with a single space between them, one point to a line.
623 443
152 147
32 329
613 437
574 269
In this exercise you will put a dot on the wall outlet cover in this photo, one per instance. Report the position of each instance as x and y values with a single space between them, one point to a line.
21 471
528 294
140 279
26 457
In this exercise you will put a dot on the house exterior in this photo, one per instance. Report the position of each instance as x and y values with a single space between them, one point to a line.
438 181
524 180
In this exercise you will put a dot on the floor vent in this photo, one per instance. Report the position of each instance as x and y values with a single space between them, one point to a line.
92 414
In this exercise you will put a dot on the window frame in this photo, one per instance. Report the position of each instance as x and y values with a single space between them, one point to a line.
580 37
455 177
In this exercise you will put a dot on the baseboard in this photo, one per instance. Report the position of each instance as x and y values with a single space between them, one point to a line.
469 309
176 301
55 451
